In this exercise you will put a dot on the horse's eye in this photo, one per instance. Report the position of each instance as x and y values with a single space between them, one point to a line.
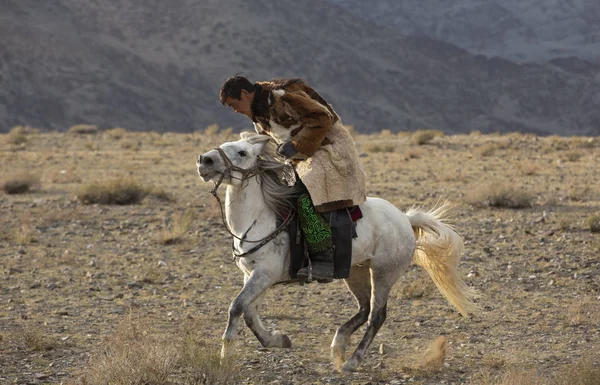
242 153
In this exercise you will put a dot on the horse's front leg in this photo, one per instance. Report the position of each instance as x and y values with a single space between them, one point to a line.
266 338
254 287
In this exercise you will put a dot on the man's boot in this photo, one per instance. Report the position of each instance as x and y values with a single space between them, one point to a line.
317 235
320 268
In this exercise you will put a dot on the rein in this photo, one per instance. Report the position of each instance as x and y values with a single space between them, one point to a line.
246 174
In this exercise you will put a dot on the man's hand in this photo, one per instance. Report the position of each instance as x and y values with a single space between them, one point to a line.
286 150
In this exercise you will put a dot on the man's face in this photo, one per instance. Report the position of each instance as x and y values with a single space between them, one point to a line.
241 105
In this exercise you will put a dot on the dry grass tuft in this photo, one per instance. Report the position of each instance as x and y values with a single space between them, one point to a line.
18 135
587 142
593 223
584 372
135 356
91 145
20 183
520 377
573 156
579 193
31 337
130 144
121 191
422 137
132 356
161 194
204 366
528 168
565 223
500 195
211 129
23 234
83 129
583 312
178 229
494 360
414 154
381 148
487 149
116 133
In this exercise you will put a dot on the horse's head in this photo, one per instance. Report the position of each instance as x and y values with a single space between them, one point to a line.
233 162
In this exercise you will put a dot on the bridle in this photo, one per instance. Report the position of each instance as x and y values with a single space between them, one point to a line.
246 174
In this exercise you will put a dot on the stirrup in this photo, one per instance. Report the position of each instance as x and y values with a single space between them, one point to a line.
306 278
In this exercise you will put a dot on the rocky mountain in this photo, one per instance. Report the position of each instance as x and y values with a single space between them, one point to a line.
155 65
522 30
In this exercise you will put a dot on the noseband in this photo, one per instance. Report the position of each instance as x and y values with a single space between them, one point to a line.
246 174
229 169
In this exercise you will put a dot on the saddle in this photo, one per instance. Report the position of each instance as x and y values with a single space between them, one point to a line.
343 230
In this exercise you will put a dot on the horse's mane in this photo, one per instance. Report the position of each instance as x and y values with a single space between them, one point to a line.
272 171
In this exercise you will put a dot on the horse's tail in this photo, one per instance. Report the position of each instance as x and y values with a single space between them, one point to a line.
438 251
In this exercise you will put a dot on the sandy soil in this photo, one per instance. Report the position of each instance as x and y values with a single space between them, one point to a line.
72 272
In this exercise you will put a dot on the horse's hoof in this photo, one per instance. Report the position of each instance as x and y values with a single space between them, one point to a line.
285 342
349 367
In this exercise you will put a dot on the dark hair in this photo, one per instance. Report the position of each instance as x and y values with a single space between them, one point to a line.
232 88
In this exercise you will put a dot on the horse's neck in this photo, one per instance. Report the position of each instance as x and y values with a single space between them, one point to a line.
245 206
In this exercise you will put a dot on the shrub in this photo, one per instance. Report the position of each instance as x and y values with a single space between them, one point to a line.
18 135
501 195
382 148
573 156
121 191
594 223
422 137
583 372
204 366
132 356
116 133
83 129
527 168
31 337
23 234
135 355
488 149
20 183
161 194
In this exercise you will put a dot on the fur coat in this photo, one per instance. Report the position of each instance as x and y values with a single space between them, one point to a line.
326 161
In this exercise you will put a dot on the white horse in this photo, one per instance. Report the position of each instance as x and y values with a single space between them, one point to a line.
388 240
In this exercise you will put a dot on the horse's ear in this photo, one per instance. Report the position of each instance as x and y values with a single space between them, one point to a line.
254 138
265 142
244 135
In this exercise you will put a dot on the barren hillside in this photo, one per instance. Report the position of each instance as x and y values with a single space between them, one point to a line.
149 65
522 30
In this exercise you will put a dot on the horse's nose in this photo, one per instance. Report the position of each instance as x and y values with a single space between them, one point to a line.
205 160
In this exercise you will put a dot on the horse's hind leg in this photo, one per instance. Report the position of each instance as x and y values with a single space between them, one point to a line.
359 284
265 337
381 283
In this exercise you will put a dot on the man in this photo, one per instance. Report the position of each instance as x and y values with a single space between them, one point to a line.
311 135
